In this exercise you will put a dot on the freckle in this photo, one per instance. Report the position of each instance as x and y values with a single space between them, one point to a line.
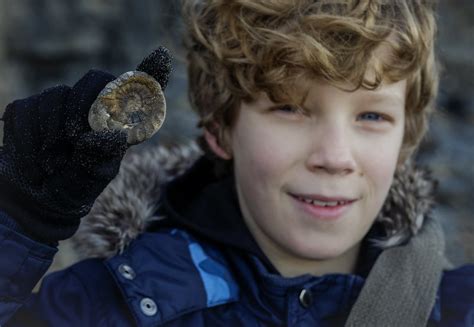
361 174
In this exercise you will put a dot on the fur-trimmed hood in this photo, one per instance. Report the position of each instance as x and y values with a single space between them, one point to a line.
129 203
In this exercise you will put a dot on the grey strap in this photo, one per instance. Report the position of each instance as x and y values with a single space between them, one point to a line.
401 287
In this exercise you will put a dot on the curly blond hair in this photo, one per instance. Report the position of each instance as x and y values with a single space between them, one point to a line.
237 49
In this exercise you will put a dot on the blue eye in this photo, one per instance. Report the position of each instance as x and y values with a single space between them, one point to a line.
371 116
288 109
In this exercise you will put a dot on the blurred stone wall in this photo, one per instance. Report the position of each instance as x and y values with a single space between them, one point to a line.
449 148
49 42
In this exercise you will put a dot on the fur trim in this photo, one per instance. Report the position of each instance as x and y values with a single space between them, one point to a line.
409 202
127 205
129 202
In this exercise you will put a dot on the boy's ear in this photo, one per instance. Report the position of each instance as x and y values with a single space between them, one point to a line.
213 143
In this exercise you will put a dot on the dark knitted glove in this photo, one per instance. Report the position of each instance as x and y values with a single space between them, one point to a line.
52 165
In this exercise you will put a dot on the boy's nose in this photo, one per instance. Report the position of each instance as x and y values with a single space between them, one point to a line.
332 153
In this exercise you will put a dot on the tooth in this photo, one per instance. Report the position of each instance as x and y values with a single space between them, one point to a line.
322 203
319 203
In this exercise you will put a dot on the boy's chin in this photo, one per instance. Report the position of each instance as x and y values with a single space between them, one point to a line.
332 252
323 254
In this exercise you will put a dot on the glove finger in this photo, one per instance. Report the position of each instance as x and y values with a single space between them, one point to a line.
81 98
102 144
21 128
29 123
96 149
52 116
48 118
56 148
159 65
32 121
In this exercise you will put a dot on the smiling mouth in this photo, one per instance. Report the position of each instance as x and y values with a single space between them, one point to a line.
320 203
321 207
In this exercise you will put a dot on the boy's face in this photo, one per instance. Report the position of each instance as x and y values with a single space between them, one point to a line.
341 151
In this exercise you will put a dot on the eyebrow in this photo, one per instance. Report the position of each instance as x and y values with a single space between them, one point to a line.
383 97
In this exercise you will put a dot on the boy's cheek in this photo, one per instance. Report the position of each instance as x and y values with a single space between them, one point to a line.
264 152
379 175
379 155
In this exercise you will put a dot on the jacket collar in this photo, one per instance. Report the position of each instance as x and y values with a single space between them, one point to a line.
208 206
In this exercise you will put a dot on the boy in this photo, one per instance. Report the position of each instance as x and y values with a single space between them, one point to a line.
304 211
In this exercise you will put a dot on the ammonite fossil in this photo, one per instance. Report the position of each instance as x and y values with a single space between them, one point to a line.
135 102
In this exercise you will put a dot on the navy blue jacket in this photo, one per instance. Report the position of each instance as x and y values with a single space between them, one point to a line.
180 273
171 279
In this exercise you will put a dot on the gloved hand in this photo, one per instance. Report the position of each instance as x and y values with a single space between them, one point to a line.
53 165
